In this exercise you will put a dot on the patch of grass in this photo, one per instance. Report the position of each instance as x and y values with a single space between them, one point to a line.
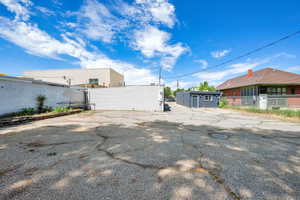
223 102
27 112
283 112
61 109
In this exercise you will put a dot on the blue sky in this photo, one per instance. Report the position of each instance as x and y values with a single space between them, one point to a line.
138 37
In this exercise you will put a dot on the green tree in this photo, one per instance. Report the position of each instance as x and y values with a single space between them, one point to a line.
168 92
178 90
40 103
206 87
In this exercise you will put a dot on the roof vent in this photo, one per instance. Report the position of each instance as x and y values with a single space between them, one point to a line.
250 73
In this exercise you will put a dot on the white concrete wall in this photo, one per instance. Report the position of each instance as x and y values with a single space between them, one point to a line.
141 98
16 95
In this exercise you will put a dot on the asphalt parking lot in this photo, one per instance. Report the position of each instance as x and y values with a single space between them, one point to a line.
182 154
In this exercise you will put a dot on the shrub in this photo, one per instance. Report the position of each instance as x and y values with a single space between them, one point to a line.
47 109
223 102
40 103
61 109
27 111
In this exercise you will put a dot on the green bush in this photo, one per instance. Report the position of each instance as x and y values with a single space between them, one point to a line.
26 111
61 109
47 109
223 102
40 103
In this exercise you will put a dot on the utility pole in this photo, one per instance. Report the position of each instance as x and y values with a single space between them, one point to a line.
159 76
177 84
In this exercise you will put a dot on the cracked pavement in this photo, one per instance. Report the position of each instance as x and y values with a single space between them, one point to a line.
182 154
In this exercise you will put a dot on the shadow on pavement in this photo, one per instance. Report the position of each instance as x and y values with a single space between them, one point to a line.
152 160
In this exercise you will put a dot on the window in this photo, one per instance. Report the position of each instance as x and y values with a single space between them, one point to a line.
263 90
94 81
208 98
293 91
276 91
284 91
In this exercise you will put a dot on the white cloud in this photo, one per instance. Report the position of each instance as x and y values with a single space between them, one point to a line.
161 11
136 23
153 42
220 54
45 11
233 69
31 38
19 7
203 63
286 55
293 69
38 42
216 77
97 21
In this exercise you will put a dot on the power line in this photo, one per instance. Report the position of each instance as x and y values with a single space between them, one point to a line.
238 57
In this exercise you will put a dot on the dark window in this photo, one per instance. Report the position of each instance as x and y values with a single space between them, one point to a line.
269 91
263 90
207 98
293 91
94 81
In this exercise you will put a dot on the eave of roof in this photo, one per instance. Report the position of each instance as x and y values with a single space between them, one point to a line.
267 76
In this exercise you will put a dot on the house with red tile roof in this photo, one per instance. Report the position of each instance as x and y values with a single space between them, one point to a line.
281 86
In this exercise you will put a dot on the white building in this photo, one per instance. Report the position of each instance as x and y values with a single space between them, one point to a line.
104 77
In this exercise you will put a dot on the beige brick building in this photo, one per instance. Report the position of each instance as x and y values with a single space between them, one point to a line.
103 77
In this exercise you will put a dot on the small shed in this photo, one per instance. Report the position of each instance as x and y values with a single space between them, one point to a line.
196 99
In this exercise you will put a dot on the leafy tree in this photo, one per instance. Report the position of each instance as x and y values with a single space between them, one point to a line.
168 92
178 90
206 87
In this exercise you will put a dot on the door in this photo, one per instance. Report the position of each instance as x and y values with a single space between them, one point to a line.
194 101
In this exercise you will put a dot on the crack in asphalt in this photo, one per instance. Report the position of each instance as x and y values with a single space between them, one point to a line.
113 155
42 144
212 172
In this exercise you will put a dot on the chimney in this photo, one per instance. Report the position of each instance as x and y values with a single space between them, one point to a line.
250 73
